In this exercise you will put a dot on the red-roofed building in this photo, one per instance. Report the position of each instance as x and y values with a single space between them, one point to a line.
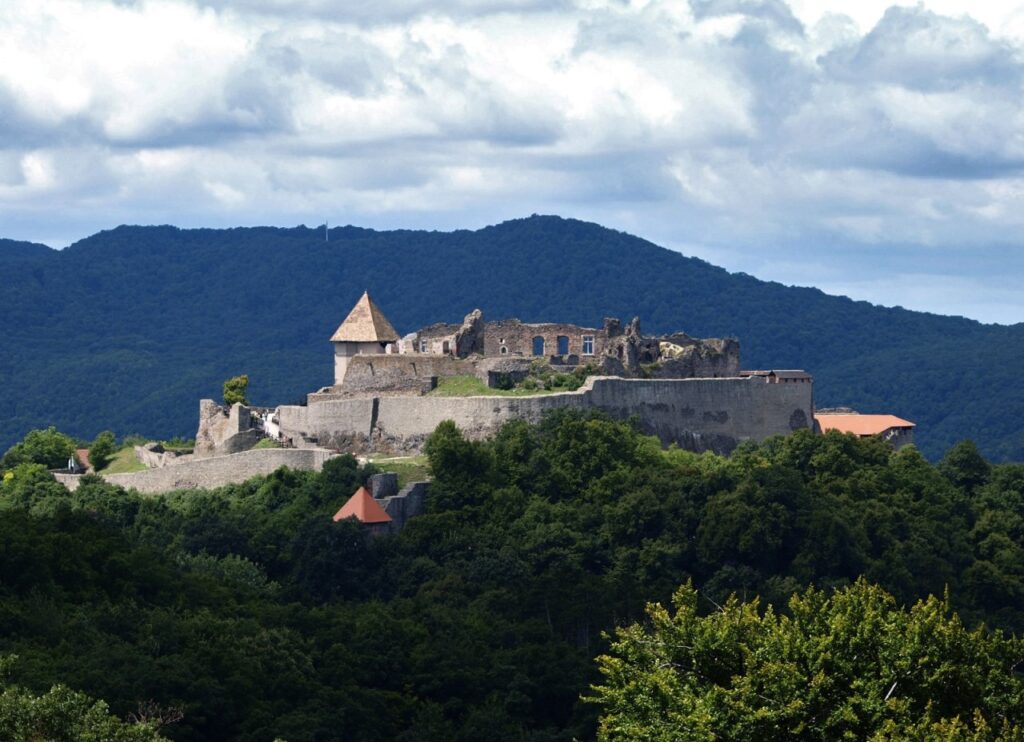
895 430
82 454
365 509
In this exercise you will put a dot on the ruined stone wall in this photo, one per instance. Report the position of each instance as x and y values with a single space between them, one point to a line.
398 373
899 437
410 503
152 455
517 338
68 479
223 431
439 338
697 414
683 357
220 470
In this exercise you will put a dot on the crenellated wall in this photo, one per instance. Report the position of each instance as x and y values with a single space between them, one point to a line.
697 414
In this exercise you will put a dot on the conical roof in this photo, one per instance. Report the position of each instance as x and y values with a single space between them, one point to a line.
363 507
365 324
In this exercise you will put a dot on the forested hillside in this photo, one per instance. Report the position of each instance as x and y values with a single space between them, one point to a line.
250 612
127 329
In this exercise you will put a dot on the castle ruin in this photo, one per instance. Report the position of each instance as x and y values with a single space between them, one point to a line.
687 391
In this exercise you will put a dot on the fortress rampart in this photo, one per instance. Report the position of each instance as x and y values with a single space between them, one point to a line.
215 471
698 414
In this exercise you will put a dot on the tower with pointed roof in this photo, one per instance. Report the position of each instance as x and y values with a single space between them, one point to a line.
366 331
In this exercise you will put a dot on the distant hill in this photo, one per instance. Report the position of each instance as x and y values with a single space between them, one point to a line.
127 329
12 250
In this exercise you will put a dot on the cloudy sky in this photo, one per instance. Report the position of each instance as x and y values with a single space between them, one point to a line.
868 148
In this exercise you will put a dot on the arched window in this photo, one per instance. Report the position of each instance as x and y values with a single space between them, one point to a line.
563 345
504 350
538 345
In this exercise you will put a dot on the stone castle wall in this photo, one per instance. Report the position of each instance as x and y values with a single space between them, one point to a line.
215 471
697 414
224 430
397 374
517 338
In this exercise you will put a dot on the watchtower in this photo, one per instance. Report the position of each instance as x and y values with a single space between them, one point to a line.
366 331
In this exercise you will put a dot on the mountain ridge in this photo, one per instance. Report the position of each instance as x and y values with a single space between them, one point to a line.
161 315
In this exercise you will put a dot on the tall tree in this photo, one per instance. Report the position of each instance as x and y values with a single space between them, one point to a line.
235 390
851 665
49 447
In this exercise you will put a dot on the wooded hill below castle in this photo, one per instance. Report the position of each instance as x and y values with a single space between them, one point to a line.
124 330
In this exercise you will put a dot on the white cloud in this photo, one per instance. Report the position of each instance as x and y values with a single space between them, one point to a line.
735 128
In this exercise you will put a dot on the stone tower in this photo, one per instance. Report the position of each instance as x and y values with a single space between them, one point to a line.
366 331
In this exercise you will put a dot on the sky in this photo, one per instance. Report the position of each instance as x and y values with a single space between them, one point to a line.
871 149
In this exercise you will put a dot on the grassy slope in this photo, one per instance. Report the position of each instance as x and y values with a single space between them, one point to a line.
123 462
408 468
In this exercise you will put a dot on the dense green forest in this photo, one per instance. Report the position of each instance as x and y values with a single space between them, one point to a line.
127 329
251 613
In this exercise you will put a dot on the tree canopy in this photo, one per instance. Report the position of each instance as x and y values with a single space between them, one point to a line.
846 665
235 390
49 447
251 611
102 449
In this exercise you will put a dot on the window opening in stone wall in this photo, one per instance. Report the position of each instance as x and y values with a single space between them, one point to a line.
423 346
445 346
563 345
538 346
588 345
504 350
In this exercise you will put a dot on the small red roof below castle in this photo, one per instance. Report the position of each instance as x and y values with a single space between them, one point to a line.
862 425
363 508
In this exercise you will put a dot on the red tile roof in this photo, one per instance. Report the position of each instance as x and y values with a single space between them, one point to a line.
363 507
82 454
861 424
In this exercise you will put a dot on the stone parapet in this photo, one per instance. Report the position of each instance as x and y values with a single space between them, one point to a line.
217 471
696 414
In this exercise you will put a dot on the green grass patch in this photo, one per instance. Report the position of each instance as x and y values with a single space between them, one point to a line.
471 386
267 443
123 462
408 468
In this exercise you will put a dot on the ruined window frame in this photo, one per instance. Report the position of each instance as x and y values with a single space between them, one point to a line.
423 345
542 346
588 345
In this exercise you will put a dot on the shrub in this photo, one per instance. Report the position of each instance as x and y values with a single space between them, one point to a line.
235 390
102 449
49 447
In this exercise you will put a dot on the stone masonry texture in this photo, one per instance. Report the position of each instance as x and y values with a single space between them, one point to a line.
696 414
